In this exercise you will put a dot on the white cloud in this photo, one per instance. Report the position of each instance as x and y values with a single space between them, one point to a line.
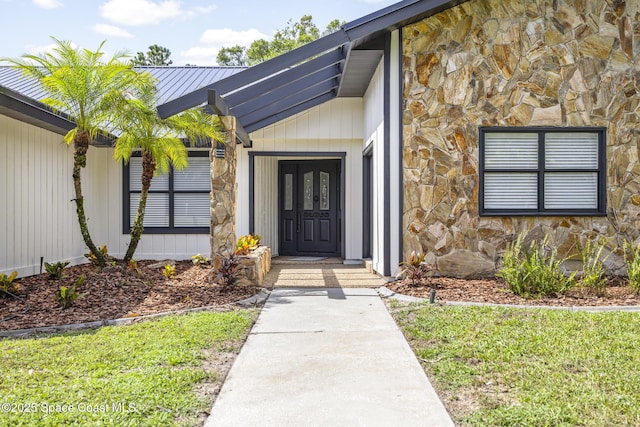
134 13
47 4
205 52
112 31
32 49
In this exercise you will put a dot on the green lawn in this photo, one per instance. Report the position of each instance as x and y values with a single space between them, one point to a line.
139 375
514 367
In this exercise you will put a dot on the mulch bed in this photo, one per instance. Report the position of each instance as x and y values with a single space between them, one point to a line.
617 293
116 292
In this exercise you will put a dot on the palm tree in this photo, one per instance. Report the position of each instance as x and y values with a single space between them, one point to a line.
80 84
159 142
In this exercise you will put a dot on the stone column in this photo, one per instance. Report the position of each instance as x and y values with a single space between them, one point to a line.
223 195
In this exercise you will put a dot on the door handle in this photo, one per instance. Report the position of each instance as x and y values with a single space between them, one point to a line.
298 224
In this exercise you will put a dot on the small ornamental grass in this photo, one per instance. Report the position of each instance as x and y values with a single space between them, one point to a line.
593 270
632 261
534 270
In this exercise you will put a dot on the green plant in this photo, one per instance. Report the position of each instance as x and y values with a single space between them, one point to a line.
200 260
133 264
247 243
632 261
93 259
8 285
593 270
534 271
227 271
66 296
415 269
169 271
55 269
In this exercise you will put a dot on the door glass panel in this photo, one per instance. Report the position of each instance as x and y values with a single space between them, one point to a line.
324 191
288 192
308 191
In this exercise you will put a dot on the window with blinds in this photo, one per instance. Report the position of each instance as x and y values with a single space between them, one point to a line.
542 172
178 202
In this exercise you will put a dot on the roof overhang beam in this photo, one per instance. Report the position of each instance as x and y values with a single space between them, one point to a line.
220 107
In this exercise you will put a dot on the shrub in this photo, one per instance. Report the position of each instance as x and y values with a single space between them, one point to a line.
415 269
534 271
227 271
93 259
55 269
8 285
593 270
632 262
66 296
200 260
247 243
169 271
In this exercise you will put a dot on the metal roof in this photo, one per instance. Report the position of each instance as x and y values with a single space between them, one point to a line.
173 82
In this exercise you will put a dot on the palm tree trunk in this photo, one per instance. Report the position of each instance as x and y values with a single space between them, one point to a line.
148 169
81 145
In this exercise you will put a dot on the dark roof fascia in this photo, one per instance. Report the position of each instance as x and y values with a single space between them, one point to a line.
396 16
294 110
28 110
291 101
220 107
285 77
268 98
255 73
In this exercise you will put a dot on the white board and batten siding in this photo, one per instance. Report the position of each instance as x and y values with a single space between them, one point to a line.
374 124
333 127
37 214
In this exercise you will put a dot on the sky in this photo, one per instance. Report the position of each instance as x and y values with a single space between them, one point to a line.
193 30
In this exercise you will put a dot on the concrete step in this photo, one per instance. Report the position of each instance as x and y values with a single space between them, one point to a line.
322 276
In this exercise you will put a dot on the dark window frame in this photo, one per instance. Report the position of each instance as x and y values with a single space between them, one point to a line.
126 203
601 210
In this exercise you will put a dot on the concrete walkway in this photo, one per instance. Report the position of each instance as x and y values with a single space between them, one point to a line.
326 357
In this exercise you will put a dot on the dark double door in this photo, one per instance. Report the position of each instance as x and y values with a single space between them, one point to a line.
309 199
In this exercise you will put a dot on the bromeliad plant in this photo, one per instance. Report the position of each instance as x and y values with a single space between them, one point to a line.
200 260
55 269
227 271
247 243
8 285
66 296
169 271
415 268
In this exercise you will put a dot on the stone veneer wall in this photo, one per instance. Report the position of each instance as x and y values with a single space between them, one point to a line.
515 63
223 196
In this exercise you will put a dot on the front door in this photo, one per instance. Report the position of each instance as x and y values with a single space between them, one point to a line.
309 207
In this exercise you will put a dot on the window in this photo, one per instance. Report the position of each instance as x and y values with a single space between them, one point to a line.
178 202
555 171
